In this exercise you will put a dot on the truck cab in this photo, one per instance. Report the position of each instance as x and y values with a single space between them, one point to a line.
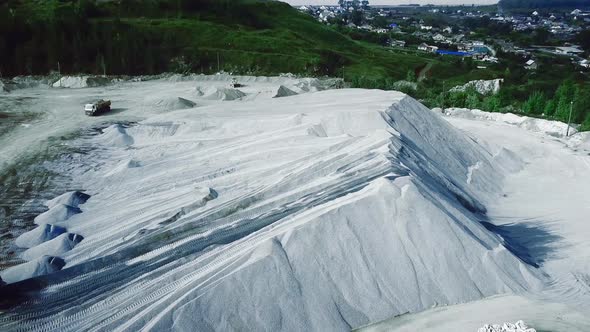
90 109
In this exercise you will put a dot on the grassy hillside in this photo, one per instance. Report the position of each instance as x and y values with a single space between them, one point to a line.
153 36
138 37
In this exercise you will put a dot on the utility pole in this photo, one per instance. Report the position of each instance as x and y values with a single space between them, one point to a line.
569 120
444 97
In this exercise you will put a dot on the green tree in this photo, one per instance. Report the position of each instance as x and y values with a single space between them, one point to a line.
491 103
550 107
586 124
541 36
357 17
457 99
583 39
472 101
380 22
535 104
563 97
581 105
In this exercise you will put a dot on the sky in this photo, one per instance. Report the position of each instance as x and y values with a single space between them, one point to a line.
396 2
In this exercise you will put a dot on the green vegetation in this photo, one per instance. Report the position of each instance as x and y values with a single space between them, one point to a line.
556 106
242 36
264 38
147 37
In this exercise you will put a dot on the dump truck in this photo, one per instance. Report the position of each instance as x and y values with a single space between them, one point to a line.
97 108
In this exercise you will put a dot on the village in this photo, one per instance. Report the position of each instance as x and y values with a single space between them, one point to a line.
458 32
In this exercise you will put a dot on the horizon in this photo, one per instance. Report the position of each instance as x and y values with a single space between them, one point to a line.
396 2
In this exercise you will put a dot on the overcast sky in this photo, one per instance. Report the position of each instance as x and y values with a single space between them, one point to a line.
396 2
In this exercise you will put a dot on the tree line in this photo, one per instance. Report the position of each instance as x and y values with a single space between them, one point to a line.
569 96
536 4
37 37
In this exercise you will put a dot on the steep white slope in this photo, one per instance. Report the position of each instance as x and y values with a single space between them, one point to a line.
546 206
384 249
322 211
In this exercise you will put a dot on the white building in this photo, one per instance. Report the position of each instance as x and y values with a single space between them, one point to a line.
427 48
491 59
531 65
438 37
397 43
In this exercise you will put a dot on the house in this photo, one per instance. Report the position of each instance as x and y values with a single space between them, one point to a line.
438 37
448 30
397 43
426 27
427 48
505 46
584 63
491 59
464 47
325 15
458 38
531 65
